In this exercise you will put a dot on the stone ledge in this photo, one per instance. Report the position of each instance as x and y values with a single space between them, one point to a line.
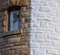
10 33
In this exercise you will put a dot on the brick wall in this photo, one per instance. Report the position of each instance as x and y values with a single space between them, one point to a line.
15 42
44 33
45 27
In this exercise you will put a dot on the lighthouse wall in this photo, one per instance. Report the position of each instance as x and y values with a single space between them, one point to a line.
45 27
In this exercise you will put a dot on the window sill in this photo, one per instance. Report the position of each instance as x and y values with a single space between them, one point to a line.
10 33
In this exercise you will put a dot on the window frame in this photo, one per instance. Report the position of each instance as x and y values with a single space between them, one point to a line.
8 10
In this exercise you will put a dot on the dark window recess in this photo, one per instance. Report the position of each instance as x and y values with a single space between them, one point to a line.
13 8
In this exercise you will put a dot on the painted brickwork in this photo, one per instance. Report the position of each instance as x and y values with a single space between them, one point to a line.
45 27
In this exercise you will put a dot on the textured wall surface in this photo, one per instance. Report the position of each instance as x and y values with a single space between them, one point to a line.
16 42
45 27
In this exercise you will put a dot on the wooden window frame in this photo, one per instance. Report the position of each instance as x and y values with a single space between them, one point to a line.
7 22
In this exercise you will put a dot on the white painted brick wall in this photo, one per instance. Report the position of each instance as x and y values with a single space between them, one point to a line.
45 27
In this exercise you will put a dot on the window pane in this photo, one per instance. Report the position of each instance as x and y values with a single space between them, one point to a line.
15 20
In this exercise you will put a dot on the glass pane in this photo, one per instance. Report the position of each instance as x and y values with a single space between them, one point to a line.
15 20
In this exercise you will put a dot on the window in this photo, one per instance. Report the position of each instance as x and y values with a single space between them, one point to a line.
14 20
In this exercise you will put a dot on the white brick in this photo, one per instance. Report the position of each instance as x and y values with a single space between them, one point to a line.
45 27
